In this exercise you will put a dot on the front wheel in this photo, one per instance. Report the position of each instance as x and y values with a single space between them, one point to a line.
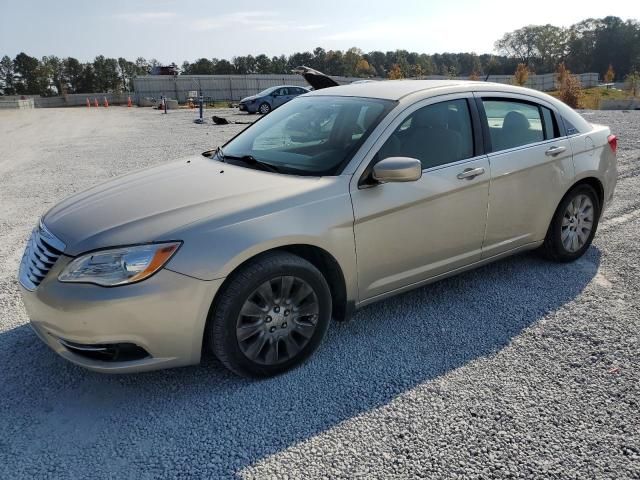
264 108
271 316
573 225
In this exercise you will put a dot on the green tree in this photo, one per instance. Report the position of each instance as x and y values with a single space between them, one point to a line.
87 82
202 66
279 64
142 66
7 79
263 64
350 61
632 81
224 67
72 74
29 76
106 73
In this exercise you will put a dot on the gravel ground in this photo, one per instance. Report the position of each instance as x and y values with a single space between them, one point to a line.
519 369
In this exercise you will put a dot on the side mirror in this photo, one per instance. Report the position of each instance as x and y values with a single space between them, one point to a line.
397 169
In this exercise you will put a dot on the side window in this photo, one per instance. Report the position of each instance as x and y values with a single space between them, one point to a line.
436 135
571 130
284 91
513 123
551 129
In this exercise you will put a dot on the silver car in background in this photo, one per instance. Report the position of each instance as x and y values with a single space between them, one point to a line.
339 198
270 99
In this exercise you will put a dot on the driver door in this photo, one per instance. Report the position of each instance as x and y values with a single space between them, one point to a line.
280 96
407 233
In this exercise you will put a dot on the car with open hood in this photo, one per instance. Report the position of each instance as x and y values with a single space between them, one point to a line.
339 198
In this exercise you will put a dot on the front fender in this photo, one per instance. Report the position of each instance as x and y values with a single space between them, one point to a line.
210 253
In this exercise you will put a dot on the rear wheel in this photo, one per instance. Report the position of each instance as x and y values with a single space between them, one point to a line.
271 316
264 108
573 225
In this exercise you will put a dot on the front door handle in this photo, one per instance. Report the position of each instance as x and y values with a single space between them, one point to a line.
553 151
470 173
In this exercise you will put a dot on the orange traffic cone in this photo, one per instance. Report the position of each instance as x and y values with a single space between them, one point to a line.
88 103
129 102
95 102
106 103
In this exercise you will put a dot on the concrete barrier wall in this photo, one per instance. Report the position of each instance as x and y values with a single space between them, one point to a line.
629 104
80 99
17 103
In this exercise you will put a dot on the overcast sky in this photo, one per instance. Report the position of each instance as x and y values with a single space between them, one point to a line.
177 30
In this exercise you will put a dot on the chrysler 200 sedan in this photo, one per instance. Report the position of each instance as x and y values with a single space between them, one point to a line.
339 198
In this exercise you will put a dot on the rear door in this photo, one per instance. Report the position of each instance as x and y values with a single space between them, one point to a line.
531 169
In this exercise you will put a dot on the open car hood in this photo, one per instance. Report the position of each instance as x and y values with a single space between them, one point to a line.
316 79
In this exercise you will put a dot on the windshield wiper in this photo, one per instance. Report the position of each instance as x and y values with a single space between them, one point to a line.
250 160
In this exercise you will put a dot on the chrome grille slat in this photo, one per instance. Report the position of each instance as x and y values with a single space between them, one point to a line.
41 253
43 248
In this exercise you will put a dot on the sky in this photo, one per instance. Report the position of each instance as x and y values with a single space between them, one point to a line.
177 30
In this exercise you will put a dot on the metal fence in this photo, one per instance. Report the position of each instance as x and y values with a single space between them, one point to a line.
216 87
235 87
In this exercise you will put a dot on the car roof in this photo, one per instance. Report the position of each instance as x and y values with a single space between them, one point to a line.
286 86
385 89
398 89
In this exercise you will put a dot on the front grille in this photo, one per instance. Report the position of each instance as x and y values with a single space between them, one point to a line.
41 253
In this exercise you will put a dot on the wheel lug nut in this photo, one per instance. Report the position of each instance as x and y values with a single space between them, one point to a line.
272 329
268 319
286 312
284 324
276 309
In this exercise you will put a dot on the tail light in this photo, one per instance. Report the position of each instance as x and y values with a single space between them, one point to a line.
613 142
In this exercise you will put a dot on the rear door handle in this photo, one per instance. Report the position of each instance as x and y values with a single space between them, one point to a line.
470 173
553 151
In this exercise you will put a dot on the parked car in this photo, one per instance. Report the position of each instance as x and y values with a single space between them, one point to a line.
270 99
340 198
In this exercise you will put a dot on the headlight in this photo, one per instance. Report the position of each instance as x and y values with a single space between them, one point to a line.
119 266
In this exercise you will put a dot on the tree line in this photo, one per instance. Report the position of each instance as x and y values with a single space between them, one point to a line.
588 46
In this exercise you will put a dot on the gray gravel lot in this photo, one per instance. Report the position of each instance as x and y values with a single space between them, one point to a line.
519 369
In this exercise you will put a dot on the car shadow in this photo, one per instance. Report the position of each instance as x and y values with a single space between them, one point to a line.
199 417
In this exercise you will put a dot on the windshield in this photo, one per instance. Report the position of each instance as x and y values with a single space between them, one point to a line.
310 135
265 92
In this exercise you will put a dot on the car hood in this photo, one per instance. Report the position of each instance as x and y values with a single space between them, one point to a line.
316 79
248 99
156 203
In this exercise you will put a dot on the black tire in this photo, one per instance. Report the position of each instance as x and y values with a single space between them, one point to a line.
553 247
240 288
264 108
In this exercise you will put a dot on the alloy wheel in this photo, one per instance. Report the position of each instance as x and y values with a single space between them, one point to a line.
265 108
277 320
577 223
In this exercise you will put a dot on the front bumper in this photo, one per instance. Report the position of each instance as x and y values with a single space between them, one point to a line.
164 316
248 107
